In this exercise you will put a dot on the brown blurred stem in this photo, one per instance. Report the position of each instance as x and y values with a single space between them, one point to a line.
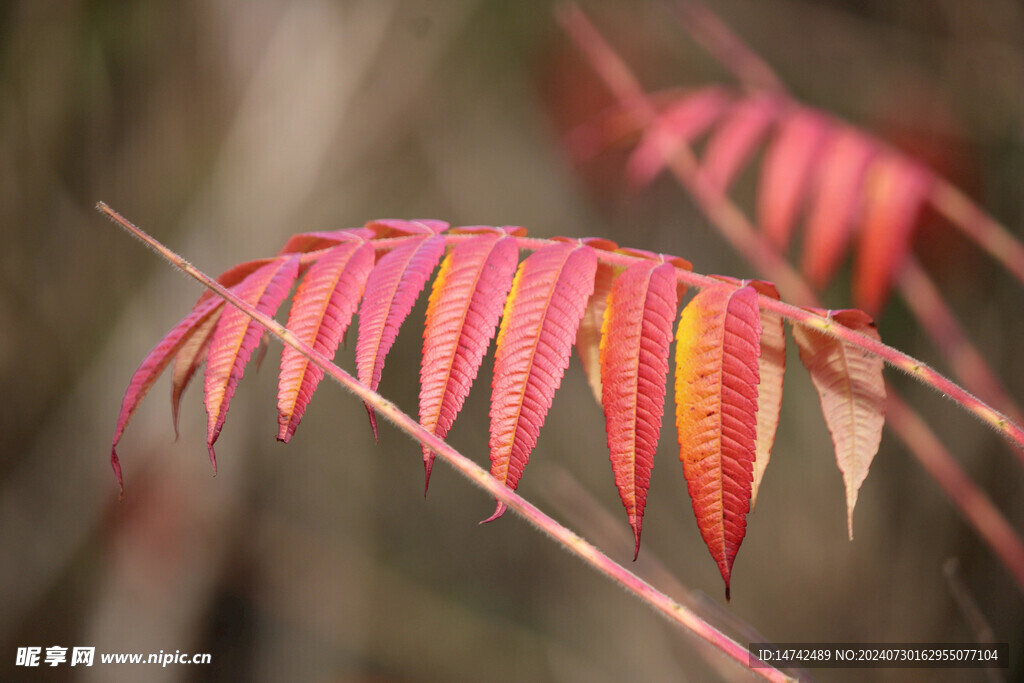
721 42
925 301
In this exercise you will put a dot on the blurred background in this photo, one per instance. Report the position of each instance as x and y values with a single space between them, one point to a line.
222 128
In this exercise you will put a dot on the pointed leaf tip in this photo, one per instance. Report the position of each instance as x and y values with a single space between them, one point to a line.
372 414
717 375
498 512
115 463
428 465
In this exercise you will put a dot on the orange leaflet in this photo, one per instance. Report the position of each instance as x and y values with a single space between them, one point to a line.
235 337
635 340
717 349
852 393
895 189
463 312
322 309
391 291
538 328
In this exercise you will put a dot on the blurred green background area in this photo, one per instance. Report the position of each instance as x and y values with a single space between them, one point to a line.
223 127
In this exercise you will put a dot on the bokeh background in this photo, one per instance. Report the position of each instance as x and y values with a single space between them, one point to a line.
224 127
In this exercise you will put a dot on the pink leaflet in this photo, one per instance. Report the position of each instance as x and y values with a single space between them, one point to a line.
235 337
322 309
786 171
896 189
837 203
151 368
538 328
465 304
736 137
391 290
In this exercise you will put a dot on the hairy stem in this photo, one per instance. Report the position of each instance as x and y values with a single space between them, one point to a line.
571 541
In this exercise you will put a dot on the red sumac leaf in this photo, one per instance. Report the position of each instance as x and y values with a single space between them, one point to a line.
538 328
635 340
465 304
837 201
895 190
736 138
322 309
852 393
717 348
785 173
235 337
391 291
